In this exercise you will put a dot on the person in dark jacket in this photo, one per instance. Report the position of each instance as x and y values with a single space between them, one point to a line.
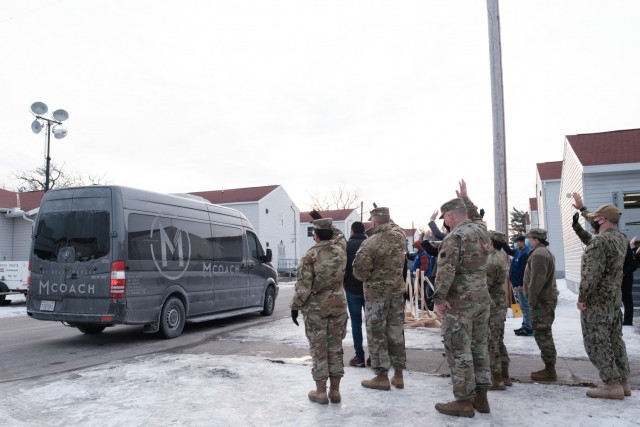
630 265
355 293
516 276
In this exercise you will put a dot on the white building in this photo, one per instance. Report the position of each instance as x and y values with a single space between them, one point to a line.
603 168
271 212
548 177
533 221
342 220
15 230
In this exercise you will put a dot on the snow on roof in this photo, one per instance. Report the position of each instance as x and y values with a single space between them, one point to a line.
621 146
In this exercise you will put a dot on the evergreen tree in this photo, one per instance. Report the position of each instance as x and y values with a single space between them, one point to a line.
518 223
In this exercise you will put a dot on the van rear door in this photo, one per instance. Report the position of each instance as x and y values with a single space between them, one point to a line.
71 259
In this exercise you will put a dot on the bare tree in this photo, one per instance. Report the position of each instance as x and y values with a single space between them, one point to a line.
339 198
34 180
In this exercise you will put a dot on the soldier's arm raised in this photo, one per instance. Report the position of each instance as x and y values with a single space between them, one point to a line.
583 235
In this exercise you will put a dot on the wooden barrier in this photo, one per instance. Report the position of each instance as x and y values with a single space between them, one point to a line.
414 315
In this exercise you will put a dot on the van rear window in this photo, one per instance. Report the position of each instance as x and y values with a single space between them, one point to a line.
87 232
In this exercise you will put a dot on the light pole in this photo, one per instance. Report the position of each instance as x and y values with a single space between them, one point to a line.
59 132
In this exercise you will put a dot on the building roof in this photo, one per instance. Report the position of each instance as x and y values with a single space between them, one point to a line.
533 203
29 200
549 170
605 148
236 195
336 215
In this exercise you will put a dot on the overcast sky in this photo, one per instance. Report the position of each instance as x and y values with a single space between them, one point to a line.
391 99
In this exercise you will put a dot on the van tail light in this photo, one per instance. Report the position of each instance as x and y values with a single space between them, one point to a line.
118 280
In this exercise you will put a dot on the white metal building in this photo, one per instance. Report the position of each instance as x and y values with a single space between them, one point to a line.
548 177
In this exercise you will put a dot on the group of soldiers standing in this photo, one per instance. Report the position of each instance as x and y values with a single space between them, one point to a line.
469 298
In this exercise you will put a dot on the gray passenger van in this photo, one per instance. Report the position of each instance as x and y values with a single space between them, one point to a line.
107 255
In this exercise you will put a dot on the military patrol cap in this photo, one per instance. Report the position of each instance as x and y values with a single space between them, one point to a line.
378 212
323 224
451 205
538 233
498 237
606 211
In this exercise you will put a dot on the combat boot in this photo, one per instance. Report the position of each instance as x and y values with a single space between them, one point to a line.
379 382
608 391
506 379
397 380
334 389
319 395
626 387
546 374
457 408
496 382
480 402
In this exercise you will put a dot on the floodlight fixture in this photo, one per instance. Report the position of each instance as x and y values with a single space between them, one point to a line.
38 109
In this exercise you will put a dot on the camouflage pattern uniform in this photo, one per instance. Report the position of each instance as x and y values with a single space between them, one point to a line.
600 290
462 282
540 289
320 297
379 263
496 281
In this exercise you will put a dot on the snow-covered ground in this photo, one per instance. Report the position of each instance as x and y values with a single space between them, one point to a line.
258 390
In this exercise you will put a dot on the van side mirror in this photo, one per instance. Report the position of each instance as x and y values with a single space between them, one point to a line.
267 257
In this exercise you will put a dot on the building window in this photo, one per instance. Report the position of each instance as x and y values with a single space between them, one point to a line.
309 231
632 200
281 219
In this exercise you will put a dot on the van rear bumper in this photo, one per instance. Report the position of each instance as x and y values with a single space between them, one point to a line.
98 319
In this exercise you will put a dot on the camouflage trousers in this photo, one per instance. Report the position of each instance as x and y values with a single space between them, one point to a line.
602 335
385 334
542 317
325 335
497 350
465 332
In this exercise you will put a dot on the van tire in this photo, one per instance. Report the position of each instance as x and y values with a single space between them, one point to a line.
4 288
172 318
91 329
269 302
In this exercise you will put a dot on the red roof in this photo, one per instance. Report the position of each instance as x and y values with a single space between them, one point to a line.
236 195
533 203
336 215
549 170
29 200
620 146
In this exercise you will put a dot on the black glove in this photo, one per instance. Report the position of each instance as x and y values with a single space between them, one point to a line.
505 246
294 317
576 217
482 213
315 214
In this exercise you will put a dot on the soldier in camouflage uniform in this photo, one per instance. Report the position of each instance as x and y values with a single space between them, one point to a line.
599 301
462 300
379 263
496 283
319 294
540 289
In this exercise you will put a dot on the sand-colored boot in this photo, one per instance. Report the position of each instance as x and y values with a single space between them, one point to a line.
480 402
334 389
319 395
626 387
457 408
607 391
397 380
546 374
496 382
379 382
506 379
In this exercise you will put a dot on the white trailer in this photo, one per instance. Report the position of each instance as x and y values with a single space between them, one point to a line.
14 277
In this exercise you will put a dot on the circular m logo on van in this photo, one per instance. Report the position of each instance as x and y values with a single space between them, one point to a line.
174 249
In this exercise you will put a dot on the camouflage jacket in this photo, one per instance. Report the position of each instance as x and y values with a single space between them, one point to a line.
496 278
320 273
601 273
462 260
540 276
379 262
583 235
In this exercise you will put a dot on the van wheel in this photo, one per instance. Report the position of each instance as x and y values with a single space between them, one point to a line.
172 318
3 288
91 329
269 302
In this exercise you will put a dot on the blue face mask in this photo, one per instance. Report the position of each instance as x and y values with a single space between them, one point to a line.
526 242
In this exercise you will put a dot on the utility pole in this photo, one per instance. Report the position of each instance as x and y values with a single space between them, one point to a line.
497 104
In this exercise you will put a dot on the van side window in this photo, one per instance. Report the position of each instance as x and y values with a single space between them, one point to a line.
170 239
255 248
87 232
227 243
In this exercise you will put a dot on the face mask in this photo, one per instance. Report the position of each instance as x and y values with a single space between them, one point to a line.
596 226
447 227
527 243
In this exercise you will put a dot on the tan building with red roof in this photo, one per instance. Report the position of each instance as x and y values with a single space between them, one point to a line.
605 168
